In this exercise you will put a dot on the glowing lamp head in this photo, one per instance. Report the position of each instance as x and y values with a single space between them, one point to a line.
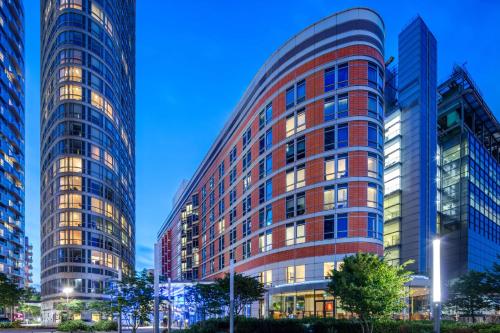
436 270
67 290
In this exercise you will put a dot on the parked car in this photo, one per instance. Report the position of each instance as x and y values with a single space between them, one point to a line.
4 320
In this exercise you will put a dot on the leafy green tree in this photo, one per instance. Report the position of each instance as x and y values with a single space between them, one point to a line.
493 284
104 308
468 294
247 289
10 293
206 299
369 287
133 297
71 308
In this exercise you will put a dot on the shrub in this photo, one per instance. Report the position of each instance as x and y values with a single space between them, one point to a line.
14 324
73 326
105 326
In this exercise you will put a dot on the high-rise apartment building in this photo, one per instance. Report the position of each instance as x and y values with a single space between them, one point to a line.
12 242
469 179
410 150
294 182
87 147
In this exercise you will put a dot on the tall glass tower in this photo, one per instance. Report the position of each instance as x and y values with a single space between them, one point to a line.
12 240
87 147
411 149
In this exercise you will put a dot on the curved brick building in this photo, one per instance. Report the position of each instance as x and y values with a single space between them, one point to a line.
293 183
87 147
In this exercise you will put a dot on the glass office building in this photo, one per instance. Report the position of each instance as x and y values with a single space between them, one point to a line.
410 149
469 181
87 148
12 223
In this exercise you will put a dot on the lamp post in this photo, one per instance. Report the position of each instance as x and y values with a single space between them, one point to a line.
436 282
67 291
231 296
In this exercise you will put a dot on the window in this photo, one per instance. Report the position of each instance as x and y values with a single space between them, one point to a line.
343 135
262 169
247 181
295 205
342 196
70 92
343 75
269 113
70 164
342 166
329 109
301 91
70 74
329 227
232 177
247 137
265 216
295 233
269 164
295 274
327 269
246 227
247 249
266 278
329 138
372 135
246 160
269 138
266 241
232 155
372 195
329 79
70 237
290 97
372 165
372 105
329 197
342 225
74 4
221 170
343 107
269 189
295 178
295 149
371 225
262 119
372 75
295 122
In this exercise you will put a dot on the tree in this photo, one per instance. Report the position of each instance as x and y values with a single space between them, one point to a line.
493 284
104 308
71 308
11 294
468 294
369 287
213 299
207 299
133 297
247 289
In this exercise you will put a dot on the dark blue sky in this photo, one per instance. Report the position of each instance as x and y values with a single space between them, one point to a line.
195 60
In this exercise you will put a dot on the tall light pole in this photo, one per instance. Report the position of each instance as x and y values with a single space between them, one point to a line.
156 275
231 296
436 283
67 291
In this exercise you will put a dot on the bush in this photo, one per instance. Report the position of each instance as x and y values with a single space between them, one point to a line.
73 326
14 324
105 326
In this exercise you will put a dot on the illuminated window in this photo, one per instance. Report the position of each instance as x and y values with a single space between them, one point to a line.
108 160
70 201
97 205
296 122
70 219
70 92
70 74
70 164
73 183
327 269
97 100
295 274
95 152
266 278
329 197
73 4
70 237
97 13
266 241
372 195
330 168
295 233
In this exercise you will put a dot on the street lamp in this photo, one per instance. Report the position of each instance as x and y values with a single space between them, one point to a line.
436 282
67 291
